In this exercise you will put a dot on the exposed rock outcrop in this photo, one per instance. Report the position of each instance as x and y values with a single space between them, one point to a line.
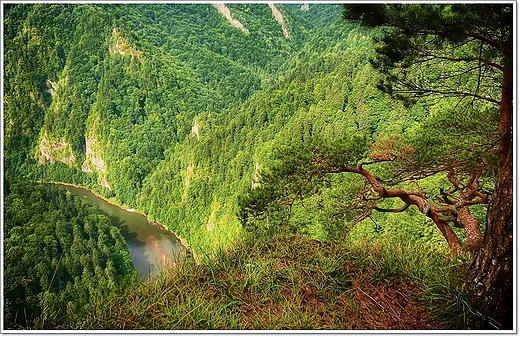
195 128
224 10
256 177
53 86
210 225
94 161
52 150
279 17
121 47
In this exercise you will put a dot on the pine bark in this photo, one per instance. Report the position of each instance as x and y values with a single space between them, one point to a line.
472 232
471 224
490 277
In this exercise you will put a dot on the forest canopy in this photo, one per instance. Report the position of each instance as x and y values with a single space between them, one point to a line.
60 254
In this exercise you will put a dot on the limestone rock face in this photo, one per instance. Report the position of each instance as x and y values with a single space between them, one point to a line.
94 161
224 10
52 150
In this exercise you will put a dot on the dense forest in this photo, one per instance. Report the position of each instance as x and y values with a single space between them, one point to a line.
374 138
59 252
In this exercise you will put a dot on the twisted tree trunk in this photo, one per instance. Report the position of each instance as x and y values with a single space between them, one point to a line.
472 231
490 277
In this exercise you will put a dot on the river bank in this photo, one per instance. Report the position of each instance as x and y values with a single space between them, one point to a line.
183 242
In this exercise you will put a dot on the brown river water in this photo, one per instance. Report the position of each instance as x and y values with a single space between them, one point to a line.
150 246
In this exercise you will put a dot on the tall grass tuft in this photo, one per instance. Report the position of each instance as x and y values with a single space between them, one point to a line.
433 270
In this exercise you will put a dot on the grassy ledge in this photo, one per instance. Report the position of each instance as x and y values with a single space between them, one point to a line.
297 283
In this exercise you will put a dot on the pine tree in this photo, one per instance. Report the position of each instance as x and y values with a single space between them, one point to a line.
477 41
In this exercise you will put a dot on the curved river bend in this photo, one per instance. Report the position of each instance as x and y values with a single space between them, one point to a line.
150 246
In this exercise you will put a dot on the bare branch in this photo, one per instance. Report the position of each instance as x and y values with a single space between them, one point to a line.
448 218
393 210
471 202
361 218
453 181
453 93
371 198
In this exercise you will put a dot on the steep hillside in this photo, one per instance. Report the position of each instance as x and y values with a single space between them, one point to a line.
172 110
115 91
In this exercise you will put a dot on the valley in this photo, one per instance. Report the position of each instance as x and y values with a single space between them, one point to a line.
312 166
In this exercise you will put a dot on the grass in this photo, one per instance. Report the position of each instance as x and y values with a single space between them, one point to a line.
293 282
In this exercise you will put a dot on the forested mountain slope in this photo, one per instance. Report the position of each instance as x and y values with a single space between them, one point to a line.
168 108
172 110
60 254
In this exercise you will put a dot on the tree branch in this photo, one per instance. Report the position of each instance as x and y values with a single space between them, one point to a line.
393 210
361 218
485 39
463 59
425 92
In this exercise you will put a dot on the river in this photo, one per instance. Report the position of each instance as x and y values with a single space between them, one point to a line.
150 246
